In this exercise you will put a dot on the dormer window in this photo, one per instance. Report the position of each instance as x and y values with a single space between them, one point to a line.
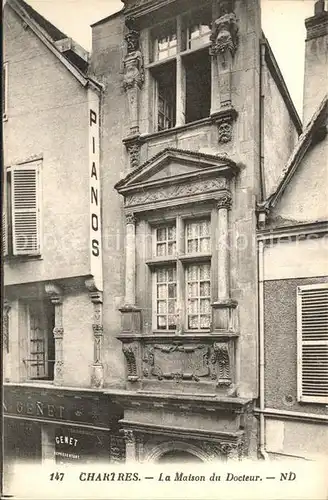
180 70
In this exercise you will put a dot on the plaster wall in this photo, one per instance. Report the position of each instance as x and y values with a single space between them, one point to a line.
48 118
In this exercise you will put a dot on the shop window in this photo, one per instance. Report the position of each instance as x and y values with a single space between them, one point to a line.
312 332
21 217
182 276
180 65
40 340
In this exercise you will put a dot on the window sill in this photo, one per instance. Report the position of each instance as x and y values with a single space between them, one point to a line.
178 128
195 257
21 258
170 336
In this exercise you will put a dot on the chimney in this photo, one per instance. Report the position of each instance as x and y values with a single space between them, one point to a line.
316 60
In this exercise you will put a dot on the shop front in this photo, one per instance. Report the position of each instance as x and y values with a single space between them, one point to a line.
60 426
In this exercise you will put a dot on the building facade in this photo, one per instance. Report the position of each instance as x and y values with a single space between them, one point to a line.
52 328
293 272
190 144
142 186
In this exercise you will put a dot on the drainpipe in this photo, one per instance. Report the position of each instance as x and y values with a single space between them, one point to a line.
261 346
261 118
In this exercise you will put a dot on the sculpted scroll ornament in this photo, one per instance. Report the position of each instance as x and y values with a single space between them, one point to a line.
130 352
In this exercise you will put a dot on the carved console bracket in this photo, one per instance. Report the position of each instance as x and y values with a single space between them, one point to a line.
5 324
97 376
133 146
55 295
224 120
130 352
224 449
134 74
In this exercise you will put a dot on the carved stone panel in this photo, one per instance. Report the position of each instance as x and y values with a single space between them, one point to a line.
177 191
196 362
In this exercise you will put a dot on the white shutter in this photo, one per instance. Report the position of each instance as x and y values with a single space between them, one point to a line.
4 217
312 331
25 209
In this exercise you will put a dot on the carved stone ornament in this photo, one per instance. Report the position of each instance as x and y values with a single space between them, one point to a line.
130 218
134 74
225 131
130 353
224 202
129 436
134 154
187 362
5 323
175 191
220 356
224 36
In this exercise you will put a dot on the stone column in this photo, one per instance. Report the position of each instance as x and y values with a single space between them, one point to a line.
130 446
130 260
96 297
55 295
223 318
5 324
224 204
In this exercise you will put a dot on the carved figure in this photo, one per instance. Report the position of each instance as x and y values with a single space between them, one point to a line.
129 352
224 36
225 132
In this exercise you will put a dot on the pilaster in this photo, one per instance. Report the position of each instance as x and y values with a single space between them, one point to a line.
55 295
224 44
5 324
133 79
97 376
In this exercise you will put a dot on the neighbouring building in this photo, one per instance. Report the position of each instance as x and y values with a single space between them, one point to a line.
196 127
52 310
293 277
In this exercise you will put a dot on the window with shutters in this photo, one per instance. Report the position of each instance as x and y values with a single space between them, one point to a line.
312 331
21 213
181 267
40 340
4 91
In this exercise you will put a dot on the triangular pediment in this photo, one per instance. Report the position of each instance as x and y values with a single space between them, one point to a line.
172 165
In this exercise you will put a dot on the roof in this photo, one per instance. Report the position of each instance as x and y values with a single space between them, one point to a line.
281 84
73 56
301 147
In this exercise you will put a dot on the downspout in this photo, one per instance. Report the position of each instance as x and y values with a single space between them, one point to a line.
261 119
261 347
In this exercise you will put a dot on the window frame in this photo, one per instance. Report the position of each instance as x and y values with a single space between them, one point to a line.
180 260
300 342
47 324
182 22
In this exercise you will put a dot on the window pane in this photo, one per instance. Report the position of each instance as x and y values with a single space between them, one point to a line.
165 240
198 237
166 305
164 41
198 296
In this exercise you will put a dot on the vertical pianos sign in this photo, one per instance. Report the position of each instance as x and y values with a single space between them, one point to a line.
94 180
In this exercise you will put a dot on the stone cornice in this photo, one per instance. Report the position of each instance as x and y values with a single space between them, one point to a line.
198 403
184 338
183 432
297 230
317 26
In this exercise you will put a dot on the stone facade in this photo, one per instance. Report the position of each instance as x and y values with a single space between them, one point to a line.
207 168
